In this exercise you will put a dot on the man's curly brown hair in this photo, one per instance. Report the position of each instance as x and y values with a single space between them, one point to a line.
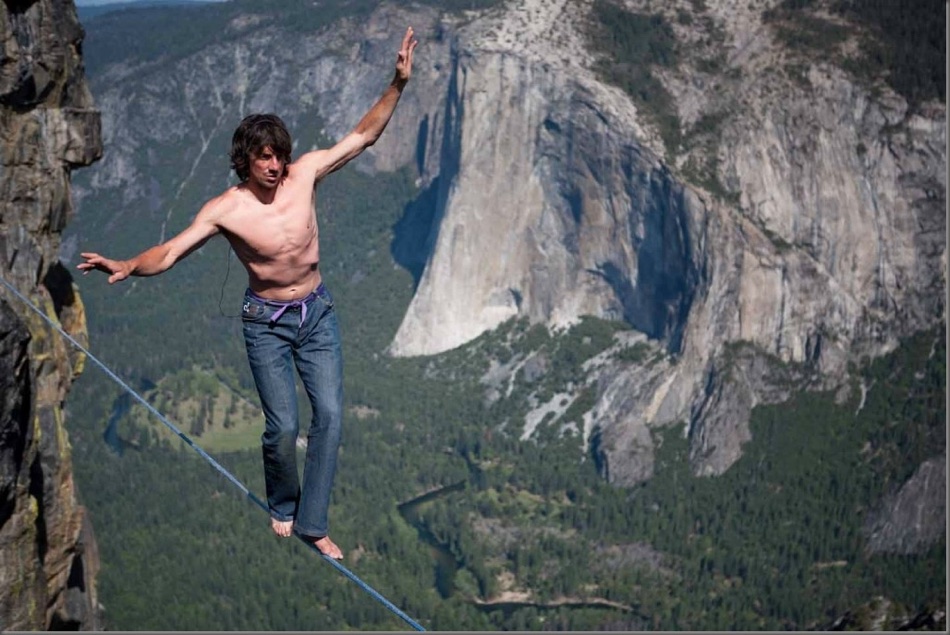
255 133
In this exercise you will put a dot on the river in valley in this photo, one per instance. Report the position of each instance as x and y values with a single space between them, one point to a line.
446 565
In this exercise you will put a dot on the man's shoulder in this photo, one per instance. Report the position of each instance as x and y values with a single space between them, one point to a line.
222 205
308 164
230 199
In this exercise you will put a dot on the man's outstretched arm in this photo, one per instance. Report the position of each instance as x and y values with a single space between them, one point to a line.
159 258
371 126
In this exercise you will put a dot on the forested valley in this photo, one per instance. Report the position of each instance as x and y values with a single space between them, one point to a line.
533 535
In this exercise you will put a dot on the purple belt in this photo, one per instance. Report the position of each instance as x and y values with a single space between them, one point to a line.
284 305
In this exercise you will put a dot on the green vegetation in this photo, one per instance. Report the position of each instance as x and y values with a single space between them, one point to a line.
702 168
776 542
907 40
800 30
207 409
559 356
631 45
636 353
903 43
454 6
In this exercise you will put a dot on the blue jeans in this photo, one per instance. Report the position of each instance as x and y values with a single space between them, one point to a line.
274 349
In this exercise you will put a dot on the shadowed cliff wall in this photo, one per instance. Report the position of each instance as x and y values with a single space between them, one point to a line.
48 127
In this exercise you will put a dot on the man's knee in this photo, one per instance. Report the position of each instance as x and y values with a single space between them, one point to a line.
279 437
329 420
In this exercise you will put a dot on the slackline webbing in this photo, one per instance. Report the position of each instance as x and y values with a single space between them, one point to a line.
207 457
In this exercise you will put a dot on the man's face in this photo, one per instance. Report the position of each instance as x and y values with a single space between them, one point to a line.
266 169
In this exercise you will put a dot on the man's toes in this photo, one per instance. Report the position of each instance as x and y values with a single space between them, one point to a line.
282 528
328 548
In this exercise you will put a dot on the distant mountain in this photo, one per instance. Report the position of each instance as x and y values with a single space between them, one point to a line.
88 12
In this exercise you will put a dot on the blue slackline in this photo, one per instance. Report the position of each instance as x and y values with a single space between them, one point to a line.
253 497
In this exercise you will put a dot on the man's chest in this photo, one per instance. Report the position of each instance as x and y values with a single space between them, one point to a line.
268 232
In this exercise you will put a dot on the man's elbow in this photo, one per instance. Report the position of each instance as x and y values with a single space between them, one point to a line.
364 136
370 139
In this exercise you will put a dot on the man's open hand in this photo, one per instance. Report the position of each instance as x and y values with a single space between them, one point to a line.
117 269
404 57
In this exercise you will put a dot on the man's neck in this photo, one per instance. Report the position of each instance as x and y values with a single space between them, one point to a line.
262 194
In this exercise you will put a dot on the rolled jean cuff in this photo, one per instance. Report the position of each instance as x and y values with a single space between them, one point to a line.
309 534
280 517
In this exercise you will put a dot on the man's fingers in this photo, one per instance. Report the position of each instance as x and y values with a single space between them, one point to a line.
405 54
406 42
95 261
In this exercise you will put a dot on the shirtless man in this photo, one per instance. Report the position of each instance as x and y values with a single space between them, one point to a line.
288 317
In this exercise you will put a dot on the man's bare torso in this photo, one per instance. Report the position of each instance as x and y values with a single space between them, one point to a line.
277 242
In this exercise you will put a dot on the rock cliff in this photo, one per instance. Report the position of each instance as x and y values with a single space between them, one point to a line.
828 243
48 557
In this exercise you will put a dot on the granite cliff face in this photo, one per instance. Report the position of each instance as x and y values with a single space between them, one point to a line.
48 558
557 198
815 236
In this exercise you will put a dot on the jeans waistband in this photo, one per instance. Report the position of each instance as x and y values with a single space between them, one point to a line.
286 304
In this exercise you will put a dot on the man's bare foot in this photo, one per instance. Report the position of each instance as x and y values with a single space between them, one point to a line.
282 528
328 548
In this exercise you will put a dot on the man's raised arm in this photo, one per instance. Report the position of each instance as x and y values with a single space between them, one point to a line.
162 257
371 126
